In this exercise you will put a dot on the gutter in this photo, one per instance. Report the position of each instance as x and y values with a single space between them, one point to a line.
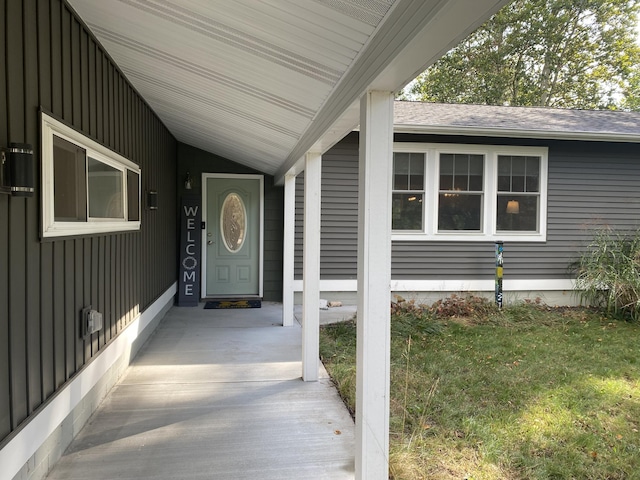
516 133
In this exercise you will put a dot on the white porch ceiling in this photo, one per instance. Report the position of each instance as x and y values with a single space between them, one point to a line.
261 82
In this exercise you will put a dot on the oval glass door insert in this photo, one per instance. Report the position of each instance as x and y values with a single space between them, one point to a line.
233 222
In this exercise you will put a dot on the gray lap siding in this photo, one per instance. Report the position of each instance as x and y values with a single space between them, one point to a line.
590 185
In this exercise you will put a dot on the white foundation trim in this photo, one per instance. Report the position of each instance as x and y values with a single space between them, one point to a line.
19 450
520 285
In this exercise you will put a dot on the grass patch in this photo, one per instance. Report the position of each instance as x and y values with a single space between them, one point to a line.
526 393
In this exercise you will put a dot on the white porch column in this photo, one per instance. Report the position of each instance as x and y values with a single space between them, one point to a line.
374 286
288 250
311 268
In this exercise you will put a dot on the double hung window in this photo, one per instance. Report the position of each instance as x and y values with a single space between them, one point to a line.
408 191
87 188
460 192
518 193
469 192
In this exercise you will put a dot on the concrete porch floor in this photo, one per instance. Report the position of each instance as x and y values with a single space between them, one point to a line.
216 394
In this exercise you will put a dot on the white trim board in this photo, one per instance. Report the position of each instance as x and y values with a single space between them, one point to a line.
15 454
50 227
513 285
459 130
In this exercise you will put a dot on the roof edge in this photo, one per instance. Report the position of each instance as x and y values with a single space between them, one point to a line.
515 133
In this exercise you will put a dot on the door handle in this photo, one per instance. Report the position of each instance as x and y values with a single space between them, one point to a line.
210 242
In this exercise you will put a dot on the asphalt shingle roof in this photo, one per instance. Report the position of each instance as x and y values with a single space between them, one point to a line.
529 120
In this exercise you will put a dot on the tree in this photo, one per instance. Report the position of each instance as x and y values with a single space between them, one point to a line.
552 53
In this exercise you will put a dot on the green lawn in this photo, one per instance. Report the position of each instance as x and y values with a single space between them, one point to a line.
527 393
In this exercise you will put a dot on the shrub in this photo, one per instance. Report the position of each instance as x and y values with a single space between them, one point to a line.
467 306
408 316
608 272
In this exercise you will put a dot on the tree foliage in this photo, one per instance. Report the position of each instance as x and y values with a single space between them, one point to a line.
553 53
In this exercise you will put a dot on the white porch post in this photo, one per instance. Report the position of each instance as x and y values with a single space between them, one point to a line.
288 250
374 283
311 268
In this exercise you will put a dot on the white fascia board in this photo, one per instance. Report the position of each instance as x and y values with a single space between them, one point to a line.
513 285
413 35
15 454
515 133
450 23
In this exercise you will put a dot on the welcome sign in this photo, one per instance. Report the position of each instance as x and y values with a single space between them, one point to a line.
190 248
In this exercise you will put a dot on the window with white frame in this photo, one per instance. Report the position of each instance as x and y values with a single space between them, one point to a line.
469 192
408 191
518 207
460 192
86 188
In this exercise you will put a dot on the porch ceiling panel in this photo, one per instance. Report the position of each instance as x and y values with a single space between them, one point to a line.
261 82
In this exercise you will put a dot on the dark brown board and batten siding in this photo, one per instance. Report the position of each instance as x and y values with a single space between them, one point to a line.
591 184
51 62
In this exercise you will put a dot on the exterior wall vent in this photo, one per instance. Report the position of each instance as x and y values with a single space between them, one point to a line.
91 321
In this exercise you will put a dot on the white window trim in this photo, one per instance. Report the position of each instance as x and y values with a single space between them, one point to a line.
432 153
51 228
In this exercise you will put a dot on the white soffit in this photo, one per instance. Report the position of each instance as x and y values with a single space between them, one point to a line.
262 82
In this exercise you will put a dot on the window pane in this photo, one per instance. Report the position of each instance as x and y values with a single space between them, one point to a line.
69 184
533 174
504 173
518 169
532 184
446 171
504 166
233 222
504 183
459 212
476 163
517 213
105 190
461 173
460 164
446 164
460 183
417 163
416 171
133 196
517 183
417 182
518 165
476 167
400 171
407 211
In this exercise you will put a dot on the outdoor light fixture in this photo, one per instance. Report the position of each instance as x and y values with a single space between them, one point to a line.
513 206
188 182
17 170
152 200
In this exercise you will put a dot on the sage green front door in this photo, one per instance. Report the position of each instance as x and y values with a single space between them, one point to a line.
233 235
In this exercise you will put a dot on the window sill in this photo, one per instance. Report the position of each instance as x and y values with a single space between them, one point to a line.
66 229
469 237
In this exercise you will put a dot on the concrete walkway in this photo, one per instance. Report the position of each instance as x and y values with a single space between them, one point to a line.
216 394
